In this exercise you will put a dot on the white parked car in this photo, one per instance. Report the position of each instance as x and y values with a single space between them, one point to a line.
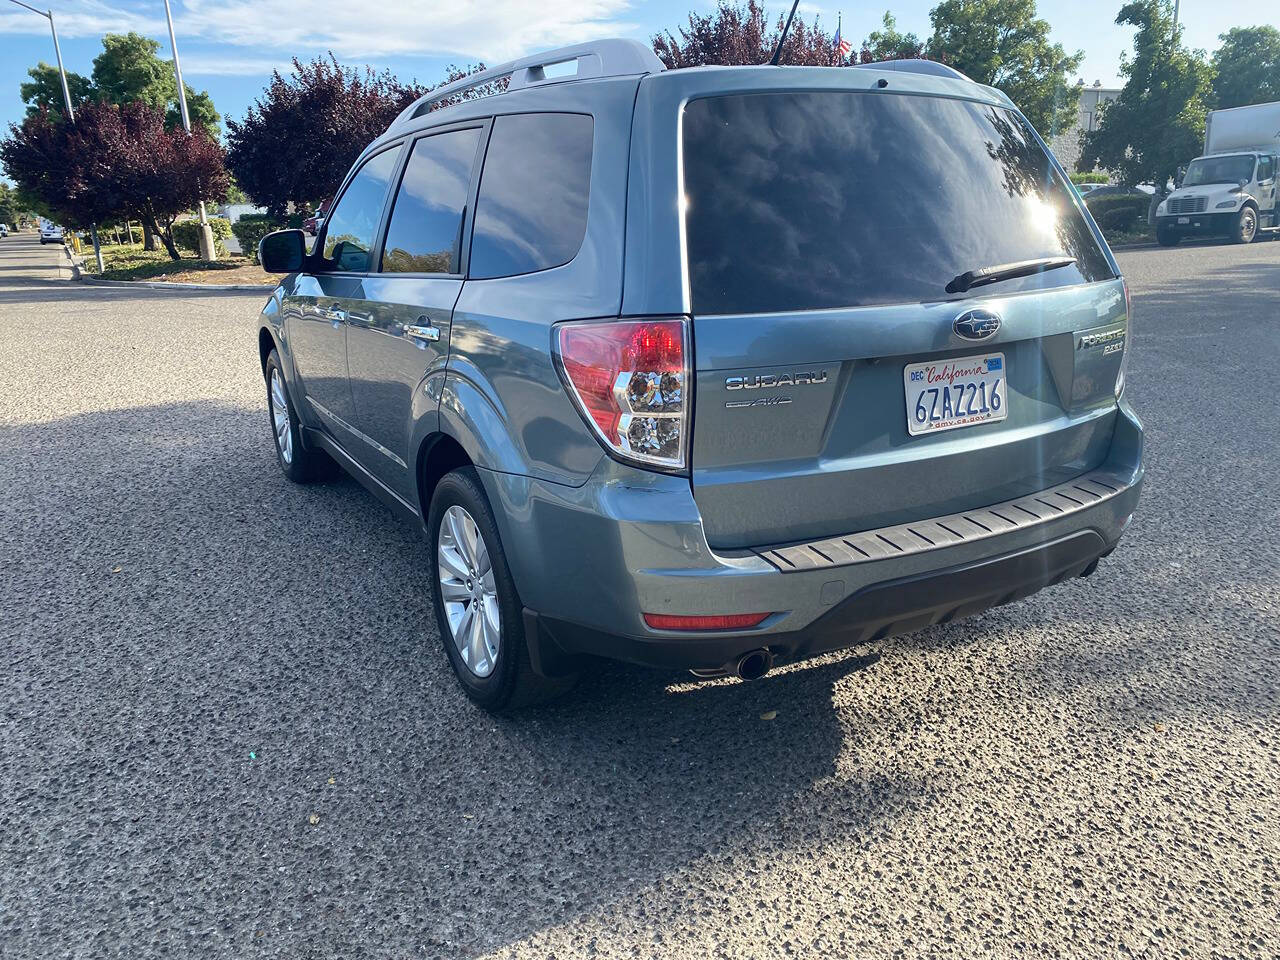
51 233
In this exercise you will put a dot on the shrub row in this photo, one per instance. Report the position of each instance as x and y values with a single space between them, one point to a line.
187 234
1123 212
251 228
1090 178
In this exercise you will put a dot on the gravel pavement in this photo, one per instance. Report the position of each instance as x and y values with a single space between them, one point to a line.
226 728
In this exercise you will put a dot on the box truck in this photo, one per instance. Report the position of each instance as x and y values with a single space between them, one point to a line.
1229 191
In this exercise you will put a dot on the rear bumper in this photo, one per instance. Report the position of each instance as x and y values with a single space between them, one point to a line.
1199 224
882 609
592 560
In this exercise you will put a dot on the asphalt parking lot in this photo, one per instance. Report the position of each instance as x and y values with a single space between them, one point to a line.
226 729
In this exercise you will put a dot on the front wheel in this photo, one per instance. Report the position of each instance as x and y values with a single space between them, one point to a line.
297 462
1246 225
1166 237
478 612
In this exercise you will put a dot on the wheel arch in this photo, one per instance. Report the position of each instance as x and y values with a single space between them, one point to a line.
266 343
438 455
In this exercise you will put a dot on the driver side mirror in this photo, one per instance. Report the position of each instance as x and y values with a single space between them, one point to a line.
282 251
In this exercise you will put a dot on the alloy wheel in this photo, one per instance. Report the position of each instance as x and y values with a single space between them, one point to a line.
280 417
469 591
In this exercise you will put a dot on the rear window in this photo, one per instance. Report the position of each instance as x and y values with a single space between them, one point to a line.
531 213
801 201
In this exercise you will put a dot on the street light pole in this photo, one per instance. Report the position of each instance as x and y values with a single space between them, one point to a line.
66 99
207 250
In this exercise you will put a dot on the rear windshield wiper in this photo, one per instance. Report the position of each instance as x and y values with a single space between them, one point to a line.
1006 271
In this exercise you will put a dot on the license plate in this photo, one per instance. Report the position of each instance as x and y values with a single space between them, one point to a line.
945 394
1184 219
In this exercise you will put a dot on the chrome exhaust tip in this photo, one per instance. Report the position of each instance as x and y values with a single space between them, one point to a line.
753 665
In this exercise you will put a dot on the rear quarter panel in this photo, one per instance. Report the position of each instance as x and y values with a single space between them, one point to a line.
503 398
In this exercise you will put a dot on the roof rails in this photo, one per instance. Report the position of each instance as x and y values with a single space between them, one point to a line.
929 67
598 58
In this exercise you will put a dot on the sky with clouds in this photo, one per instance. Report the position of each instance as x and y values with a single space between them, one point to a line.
229 47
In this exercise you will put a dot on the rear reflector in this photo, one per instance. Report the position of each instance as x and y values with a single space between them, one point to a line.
732 621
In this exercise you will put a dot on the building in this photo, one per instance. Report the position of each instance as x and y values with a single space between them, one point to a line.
1068 144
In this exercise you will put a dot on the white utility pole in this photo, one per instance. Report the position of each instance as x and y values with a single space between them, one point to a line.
207 249
66 100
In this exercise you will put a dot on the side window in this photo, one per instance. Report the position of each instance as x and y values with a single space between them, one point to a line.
351 227
531 213
1266 168
426 222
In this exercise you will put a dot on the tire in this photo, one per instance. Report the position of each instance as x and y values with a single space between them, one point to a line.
1246 229
500 681
1167 238
297 462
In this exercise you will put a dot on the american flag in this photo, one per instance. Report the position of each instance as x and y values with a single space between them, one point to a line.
843 46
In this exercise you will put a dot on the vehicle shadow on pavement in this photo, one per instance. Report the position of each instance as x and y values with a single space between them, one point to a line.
231 696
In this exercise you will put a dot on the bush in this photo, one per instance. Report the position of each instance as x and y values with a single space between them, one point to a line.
251 228
1122 216
1118 209
187 234
1121 219
1090 178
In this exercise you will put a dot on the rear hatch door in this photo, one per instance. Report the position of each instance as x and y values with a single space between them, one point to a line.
853 368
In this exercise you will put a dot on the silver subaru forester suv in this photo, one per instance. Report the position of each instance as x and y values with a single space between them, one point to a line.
716 368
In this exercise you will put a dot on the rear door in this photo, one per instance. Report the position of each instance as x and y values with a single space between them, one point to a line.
850 373
398 322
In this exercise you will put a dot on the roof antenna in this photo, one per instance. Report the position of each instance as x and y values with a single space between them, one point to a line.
777 51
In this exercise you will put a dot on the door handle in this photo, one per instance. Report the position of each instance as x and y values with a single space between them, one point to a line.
421 332
336 317
354 317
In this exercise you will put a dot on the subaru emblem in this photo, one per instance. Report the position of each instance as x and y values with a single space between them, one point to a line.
976 324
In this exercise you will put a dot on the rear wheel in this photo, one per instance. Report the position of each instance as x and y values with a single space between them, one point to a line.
1166 237
1246 225
298 463
478 612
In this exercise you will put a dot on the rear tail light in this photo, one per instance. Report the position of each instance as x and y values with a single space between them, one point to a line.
730 621
630 380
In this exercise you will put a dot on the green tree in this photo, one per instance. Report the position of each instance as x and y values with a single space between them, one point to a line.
45 90
129 69
1248 67
888 44
1004 44
9 210
1157 122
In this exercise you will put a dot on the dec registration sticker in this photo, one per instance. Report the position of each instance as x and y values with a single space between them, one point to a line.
945 394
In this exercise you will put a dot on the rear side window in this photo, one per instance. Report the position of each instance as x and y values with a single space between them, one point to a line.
531 213
426 222
349 231
799 201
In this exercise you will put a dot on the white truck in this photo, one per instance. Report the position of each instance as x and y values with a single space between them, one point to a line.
1231 190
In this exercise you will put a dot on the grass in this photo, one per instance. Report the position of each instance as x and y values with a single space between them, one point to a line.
1121 238
131 262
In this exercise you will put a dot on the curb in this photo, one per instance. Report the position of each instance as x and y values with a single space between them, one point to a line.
175 285
78 274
